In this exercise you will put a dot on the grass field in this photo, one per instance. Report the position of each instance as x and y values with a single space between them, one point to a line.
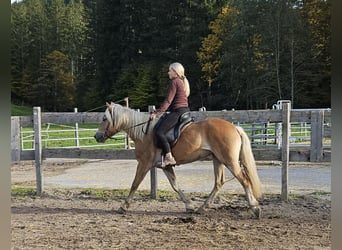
17 110
65 135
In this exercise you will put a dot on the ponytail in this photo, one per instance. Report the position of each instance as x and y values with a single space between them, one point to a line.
186 86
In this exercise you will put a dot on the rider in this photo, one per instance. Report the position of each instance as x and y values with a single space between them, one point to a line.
176 102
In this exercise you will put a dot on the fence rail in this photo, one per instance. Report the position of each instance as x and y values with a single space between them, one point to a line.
76 137
271 135
75 141
263 127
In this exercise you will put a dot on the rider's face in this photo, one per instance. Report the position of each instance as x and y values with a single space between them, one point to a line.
172 73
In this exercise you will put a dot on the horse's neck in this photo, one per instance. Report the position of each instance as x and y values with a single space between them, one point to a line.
137 124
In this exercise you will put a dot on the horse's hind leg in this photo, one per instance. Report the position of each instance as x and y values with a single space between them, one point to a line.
219 181
170 174
237 171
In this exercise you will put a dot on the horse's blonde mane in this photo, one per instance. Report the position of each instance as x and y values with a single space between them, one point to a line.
126 119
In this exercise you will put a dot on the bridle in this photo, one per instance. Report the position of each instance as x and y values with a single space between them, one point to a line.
105 133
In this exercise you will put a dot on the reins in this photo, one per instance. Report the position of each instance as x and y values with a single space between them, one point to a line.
95 108
102 106
136 125
142 123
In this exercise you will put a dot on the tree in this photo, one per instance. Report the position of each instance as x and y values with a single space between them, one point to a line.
28 44
19 52
313 77
56 82
264 56
210 52
237 54
143 91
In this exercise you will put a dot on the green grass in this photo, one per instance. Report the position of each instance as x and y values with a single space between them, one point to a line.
62 135
297 130
17 110
94 193
54 136
320 193
23 191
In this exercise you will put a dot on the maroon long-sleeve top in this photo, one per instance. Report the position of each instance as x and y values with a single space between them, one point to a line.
176 97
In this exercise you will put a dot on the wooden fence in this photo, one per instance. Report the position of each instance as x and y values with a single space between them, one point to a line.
315 152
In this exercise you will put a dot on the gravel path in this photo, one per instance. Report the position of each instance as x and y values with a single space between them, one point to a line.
194 177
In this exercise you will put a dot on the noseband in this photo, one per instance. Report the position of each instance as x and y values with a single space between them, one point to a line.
106 133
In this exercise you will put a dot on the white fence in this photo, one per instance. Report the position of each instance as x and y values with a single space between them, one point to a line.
75 141
73 136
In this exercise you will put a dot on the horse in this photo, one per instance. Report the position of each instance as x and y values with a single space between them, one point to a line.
225 143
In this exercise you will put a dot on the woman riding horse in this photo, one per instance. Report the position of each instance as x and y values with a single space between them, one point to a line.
176 102
228 146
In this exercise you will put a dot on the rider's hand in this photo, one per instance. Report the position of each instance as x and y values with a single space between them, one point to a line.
153 116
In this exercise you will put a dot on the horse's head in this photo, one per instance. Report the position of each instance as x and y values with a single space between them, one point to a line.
106 128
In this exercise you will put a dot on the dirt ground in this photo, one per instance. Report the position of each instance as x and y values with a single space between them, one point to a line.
74 219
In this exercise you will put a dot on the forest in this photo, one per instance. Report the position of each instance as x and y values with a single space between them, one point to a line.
237 54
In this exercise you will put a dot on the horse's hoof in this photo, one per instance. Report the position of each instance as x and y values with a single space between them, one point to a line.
201 210
121 210
257 211
190 210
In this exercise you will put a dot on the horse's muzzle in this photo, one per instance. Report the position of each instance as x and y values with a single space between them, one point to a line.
100 137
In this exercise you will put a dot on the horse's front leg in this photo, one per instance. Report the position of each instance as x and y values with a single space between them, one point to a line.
219 181
170 174
140 174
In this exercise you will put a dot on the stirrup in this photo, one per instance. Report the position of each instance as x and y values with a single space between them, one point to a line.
161 165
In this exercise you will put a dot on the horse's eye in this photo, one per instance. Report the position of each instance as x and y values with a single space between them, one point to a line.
104 118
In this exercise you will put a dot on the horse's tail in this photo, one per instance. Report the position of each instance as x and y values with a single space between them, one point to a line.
248 162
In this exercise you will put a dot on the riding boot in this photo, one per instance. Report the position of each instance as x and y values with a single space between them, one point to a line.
169 161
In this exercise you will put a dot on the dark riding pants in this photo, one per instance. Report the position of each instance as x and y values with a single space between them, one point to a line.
166 124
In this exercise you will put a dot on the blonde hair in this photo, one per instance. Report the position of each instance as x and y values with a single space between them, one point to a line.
179 69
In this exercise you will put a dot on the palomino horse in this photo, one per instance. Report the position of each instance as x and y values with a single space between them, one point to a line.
228 145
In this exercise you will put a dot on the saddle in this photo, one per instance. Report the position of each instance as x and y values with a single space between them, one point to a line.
173 134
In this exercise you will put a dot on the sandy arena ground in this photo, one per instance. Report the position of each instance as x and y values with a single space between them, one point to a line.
70 218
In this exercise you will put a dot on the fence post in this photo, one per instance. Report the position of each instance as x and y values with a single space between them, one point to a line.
128 141
285 150
277 126
76 131
37 125
316 146
153 171
15 139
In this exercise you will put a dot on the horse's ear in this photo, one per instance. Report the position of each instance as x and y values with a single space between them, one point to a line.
107 104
